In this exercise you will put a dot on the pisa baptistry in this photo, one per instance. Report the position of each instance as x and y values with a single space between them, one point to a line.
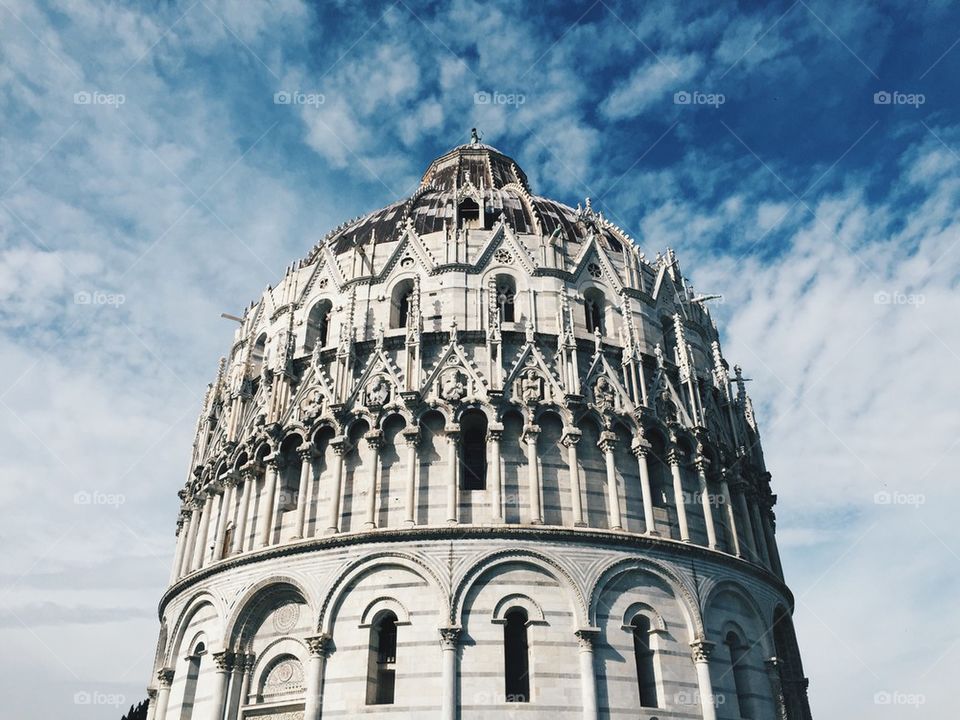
476 456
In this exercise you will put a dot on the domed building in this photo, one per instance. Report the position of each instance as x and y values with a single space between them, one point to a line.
477 455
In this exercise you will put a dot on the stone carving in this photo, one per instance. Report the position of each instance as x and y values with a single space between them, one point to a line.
285 618
531 387
603 394
378 391
453 386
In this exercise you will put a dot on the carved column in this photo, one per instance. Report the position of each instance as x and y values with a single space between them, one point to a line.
374 440
338 445
641 449
411 437
164 681
570 439
268 512
183 530
588 678
151 703
608 441
731 514
530 433
746 537
248 663
759 535
705 501
320 647
679 499
453 488
449 646
701 659
199 549
224 665
248 478
226 512
306 483
191 536
494 434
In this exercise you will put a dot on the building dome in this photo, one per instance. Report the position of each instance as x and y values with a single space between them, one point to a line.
477 454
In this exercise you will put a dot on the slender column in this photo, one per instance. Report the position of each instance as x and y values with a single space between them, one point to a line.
224 664
673 457
449 645
768 521
306 481
640 449
570 440
234 699
374 440
701 659
240 531
731 514
199 550
338 445
530 433
164 680
151 703
183 529
772 666
608 441
248 664
267 512
226 512
747 537
705 502
758 530
588 678
319 646
494 434
453 488
411 436
191 537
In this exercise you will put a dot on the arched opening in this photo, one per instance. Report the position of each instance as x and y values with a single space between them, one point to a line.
190 685
257 354
506 298
643 655
318 323
382 668
400 304
468 214
516 655
741 680
594 307
473 450
660 478
290 469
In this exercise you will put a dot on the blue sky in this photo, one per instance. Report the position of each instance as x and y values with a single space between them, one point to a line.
146 167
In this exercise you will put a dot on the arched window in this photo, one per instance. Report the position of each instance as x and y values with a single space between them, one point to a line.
516 655
741 681
190 685
256 355
594 306
400 304
473 451
318 323
291 465
507 298
660 478
643 655
382 670
468 214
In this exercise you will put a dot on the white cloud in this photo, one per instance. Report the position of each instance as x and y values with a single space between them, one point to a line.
651 83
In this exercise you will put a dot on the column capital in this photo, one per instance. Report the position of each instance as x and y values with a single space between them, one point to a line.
674 456
374 439
571 436
449 637
701 650
165 677
640 447
702 463
151 694
249 660
223 660
494 431
320 645
231 478
305 451
411 436
607 441
339 445
586 637
530 432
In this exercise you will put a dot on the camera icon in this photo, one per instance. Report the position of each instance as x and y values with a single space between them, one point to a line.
82 698
881 298
681 98
882 698
481 98
282 98
82 498
882 498
82 98
882 98
82 298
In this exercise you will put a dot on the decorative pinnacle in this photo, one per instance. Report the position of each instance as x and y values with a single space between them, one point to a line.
474 137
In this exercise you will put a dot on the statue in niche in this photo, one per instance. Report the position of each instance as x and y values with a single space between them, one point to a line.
603 393
312 407
453 387
666 408
378 392
531 387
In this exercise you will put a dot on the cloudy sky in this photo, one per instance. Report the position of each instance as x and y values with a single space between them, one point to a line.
802 158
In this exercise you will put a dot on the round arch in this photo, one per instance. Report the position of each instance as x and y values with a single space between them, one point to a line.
260 590
194 605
